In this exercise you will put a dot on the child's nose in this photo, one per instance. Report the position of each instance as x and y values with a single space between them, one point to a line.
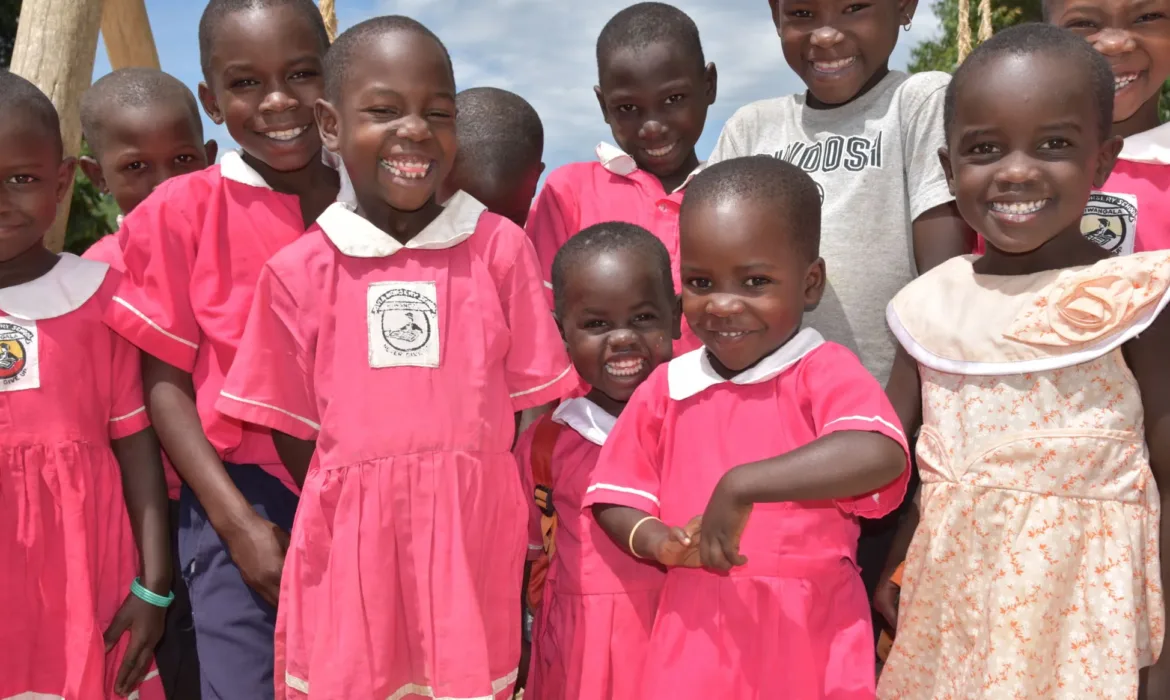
413 128
1113 42
1016 169
724 305
826 37
622 339
652 128
278 100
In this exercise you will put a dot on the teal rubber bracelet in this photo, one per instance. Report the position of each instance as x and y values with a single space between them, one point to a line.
151 597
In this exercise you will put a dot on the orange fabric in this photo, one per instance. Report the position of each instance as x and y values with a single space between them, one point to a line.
543 442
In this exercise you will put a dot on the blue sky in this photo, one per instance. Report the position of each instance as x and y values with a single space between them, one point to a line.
543 50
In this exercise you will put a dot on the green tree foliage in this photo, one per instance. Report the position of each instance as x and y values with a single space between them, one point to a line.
942 53
91 214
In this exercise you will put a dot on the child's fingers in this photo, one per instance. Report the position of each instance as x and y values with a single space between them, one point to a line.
694 526
117 628
712 554
133 669
677 534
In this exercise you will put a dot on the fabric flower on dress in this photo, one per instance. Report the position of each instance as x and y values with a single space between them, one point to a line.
1091 303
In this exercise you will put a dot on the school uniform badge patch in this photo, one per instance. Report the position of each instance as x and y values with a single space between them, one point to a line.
1110 221
403 324
20 366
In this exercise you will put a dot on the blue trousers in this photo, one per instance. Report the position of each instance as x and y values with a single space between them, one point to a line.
234 626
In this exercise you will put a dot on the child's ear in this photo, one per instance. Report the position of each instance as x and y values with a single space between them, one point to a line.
711 75
65 177
601 103
676 321
1106 159
93 171
211 151
327 123
944 157
814 284
906 9
210 104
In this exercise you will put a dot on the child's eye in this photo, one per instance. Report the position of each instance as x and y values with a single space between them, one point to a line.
984 149
135 166
185 159
699 283
1151 17
303 75
856 7
675 99
243 83
440 114
645 318
757 281
800 14
594 324
1079 24
626 109
1054 144
21 179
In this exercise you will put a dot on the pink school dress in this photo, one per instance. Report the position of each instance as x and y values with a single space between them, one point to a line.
406 364
592 630
1035 570
794 622
579 195
68 386
1131 213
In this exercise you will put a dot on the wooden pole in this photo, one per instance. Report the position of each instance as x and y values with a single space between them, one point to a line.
55 46
126 33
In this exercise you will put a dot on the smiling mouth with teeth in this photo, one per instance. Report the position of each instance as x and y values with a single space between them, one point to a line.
1120 82
1017 211
626 368
833 66
406 169
659 152
287 134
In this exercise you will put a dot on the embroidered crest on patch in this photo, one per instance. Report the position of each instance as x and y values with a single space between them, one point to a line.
20 366
403 324
1110 221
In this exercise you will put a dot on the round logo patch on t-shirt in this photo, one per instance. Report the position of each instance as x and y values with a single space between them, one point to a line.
1110 221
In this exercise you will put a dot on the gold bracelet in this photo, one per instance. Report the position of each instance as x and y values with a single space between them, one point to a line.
634 531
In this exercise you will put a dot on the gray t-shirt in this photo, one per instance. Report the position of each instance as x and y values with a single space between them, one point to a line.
876 163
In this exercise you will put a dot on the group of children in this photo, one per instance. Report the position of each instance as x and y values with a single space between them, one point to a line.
667 407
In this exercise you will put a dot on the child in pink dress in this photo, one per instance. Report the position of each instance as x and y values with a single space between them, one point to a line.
615 307
777 438
1034 569
80 608
654 88
193 252
393 343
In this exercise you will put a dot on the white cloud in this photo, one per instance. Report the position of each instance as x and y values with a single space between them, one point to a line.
544 51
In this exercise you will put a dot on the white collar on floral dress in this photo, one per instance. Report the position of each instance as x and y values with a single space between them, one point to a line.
589 420
1151 146
63 289
233 167
692 373
622 164
356 237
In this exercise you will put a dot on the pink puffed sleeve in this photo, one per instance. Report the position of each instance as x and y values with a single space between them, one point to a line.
839 394
152 307
629 469
537 367
127 403
523 453
271 380
553 219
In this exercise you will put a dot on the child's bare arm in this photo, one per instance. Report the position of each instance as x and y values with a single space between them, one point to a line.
295 453
1147 357
669 546
939 235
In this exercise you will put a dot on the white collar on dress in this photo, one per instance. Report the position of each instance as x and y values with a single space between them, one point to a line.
692 373
1151 146
356 237
63 289
588 419
622 164
232 167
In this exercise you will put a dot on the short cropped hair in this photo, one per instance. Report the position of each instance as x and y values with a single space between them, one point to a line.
609 237
784 187
130 88
498 133
352 40
19 97
217 10
646 23
1031 39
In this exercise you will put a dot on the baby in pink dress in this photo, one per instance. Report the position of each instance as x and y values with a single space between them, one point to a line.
388 349
777 438
615 305
85 567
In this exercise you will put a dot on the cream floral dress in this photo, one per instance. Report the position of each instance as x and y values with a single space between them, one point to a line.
1034 572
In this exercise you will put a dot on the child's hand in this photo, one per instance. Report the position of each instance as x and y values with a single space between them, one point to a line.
145 623
680 546
722 526
885 600
258 550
